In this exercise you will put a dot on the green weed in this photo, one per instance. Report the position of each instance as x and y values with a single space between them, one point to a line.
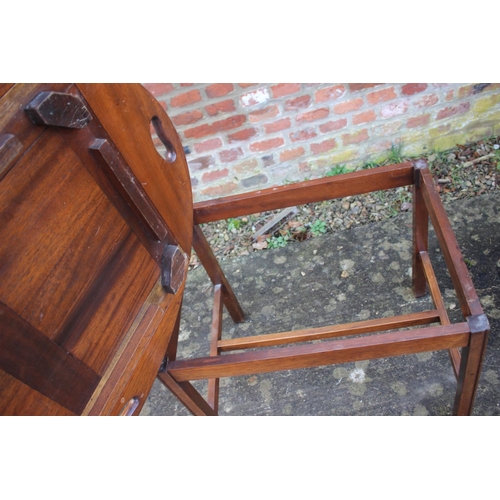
337 170
277 241
396 153
233 224
318 227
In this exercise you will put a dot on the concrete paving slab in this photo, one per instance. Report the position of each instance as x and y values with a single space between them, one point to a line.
363 273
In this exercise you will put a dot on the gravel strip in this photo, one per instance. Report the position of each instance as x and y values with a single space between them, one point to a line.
461 172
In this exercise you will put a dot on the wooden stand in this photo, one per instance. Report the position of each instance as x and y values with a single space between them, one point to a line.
465 341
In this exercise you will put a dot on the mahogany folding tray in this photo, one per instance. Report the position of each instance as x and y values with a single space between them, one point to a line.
96 232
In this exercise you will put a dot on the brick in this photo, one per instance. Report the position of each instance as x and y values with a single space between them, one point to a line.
394 109
186 84
304 166
220 107
214 175
246 166
219 89
316 114
486 103
466 91
449 95
355 137
271 128
323 147
329 93
297 103
258 96
246 85
332 126
201 163
186 99
268 160
291 154
381 95
427 100
356 87
413 88
209 145
218 126
216 191
187 118
242 135
255 180
284 89
463 107
347 106
367 116
418 121
276 142
303 135
263 114
229 155
158 89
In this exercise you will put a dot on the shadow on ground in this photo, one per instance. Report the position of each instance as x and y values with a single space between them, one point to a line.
354 275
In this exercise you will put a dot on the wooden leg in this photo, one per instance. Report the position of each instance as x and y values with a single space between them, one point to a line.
420 233
215 336
187 395
470 366
214 271
171 353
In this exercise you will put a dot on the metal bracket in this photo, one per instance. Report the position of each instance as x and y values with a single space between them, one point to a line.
418 165
58 109
173 268
478 323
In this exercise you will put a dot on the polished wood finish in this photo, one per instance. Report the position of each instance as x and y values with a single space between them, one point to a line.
85 320
328 332
324 353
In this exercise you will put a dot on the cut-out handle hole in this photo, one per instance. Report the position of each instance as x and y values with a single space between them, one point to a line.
169 154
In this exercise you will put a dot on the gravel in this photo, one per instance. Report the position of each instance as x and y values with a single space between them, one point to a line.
461 172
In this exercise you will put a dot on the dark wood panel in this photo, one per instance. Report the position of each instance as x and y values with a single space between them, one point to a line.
111 305
31 357
300 193
18 399
45 200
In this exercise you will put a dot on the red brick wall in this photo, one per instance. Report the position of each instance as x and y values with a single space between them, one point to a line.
244 136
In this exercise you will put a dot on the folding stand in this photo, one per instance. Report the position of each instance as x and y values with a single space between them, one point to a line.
465 341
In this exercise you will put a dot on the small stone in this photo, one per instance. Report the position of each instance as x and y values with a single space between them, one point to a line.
344 274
